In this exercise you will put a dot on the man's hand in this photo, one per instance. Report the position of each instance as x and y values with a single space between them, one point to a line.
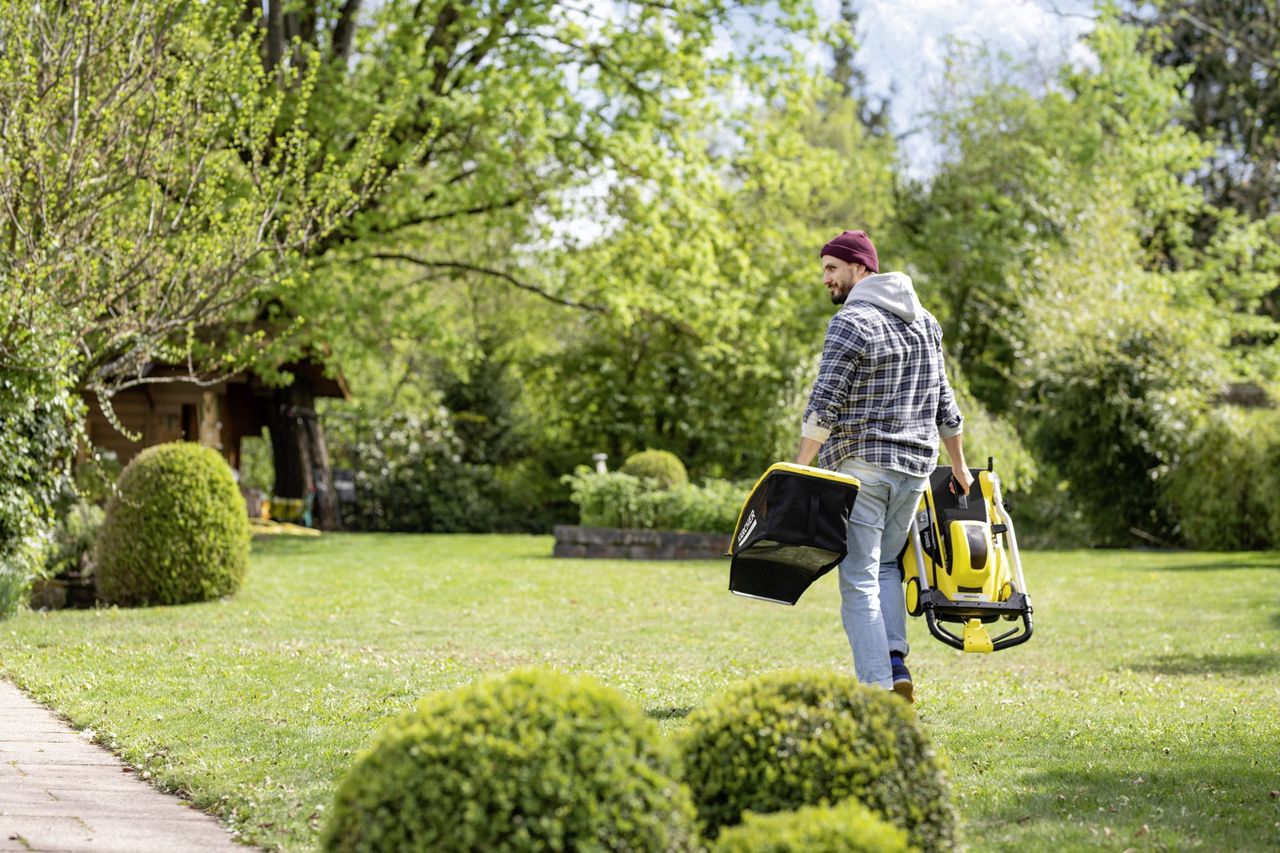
962 476
959 469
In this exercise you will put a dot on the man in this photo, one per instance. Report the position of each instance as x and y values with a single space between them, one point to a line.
879 405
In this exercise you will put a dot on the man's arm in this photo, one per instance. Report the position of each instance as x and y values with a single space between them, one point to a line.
950 422
959 468
841 351
807 450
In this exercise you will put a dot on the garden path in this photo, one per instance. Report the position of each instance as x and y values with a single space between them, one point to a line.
59 792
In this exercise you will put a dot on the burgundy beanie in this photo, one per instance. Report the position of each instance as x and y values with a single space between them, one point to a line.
853 247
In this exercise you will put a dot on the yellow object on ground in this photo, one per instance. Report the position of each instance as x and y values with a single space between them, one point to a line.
265 527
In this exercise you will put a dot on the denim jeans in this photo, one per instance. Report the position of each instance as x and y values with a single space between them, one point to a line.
871 604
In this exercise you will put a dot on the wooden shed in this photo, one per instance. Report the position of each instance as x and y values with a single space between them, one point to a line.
220 415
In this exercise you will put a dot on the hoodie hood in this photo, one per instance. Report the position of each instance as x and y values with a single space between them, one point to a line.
891 291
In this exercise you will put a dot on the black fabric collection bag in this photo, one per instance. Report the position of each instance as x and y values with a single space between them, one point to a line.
791 532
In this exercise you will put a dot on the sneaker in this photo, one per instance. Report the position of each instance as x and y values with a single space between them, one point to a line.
902 678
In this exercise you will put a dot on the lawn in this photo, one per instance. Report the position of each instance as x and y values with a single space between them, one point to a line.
1145 712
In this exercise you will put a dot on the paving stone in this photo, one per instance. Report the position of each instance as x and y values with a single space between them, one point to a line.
115 835
60 793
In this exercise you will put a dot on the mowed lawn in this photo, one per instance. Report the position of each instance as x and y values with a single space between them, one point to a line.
1145 712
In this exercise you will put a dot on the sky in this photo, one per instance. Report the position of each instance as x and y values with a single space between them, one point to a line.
904 44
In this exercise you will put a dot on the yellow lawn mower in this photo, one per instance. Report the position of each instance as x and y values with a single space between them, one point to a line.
962 567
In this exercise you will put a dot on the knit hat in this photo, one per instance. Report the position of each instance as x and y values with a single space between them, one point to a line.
853 247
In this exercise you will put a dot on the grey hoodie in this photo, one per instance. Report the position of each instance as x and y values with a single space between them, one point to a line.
891 291
882 393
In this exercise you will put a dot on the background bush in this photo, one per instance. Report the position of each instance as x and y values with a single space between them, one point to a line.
712 507
410 475
38 417
661 466
177 532
790 739
615 499
416 472
15 584
73 538
1224 490
532 761
848 827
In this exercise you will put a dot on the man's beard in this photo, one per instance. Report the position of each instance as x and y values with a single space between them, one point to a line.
838 298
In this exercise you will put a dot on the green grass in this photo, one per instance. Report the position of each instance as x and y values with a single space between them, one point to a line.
1144 714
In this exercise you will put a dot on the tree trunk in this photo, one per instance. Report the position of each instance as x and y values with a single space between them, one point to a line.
300 454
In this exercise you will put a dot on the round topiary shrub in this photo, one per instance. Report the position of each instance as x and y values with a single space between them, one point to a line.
532 761
662 466
848 827
176 532
790 739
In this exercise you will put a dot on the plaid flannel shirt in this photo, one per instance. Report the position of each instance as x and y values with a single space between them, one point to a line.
882 393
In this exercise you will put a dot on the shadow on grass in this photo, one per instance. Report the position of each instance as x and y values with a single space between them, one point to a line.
1253 663
1218 802
1224 565
668 713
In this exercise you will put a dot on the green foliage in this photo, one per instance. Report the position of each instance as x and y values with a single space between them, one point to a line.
95 477
534 760
1223 491
38 414
257 465
506 168
204 181
661 466
713 507
410 475
791 739
73 537
177 532
847 827
615 499
1224 45
612 499
990 435
15 584
1116 407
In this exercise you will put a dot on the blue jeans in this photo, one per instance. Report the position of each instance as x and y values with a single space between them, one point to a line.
871 604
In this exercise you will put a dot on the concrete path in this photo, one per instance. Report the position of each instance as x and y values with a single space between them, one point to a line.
59 792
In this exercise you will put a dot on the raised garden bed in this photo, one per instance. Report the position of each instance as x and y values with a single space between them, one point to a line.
630 544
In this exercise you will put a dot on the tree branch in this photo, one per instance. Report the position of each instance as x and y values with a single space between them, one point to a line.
472 268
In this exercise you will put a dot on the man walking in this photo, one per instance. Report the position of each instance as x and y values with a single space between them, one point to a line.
880 403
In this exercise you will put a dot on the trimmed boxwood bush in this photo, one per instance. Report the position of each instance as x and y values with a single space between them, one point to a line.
176 532
662 466
790 739
848 827
535 760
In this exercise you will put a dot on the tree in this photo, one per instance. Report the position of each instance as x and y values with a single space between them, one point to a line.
712 275
152 181
518 111
1231 49
1061 240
